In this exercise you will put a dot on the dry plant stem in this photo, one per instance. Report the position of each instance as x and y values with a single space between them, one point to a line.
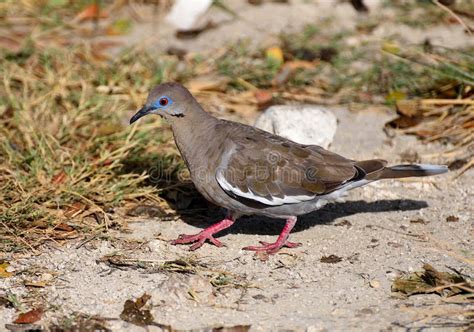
453 14
18 238
461 285
106 218
465 168
447 101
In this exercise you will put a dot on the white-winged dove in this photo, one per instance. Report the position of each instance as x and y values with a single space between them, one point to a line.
252 172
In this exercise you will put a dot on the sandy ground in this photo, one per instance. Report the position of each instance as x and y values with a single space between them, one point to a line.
261 25
371 232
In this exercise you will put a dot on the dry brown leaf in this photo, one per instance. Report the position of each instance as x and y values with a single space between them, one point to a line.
331 259
3 270
59 178
134 312
38 284
431 281
29 317
263 97
74 210
93 11
452 219
64 227
410 108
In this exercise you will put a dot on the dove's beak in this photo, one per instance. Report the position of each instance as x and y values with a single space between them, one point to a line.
141 112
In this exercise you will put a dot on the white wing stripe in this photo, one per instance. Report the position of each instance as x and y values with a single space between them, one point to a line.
274 201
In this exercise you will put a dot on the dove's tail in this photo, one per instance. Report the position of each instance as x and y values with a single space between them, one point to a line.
376 170
409 170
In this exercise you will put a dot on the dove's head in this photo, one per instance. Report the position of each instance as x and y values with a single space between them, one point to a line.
169 100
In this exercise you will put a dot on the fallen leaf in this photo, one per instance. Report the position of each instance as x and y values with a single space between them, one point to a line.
408 108
395 96
38 284
64 227
418 221
263 97
431 281
331 259
59 178
391 47
119 27
29 317
274 55
74 210
92 11
3 270
133 311
452 219
403 122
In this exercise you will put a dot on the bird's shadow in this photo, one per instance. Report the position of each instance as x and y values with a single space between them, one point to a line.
326 215
198 212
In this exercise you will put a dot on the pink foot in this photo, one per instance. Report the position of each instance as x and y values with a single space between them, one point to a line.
272 248
282 241
206 234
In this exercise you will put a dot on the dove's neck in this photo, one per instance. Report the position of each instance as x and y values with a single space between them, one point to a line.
195 135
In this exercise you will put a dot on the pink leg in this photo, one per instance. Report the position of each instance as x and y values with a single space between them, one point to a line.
206 234
272 248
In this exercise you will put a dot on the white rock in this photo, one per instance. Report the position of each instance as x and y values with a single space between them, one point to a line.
305 124
185 13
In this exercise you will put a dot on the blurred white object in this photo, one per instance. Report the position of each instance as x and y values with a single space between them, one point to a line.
185 13
304 124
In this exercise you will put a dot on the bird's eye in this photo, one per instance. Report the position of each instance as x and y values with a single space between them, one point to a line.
163 101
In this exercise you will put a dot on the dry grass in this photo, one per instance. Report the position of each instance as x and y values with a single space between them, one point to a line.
64 139
69 162
445 112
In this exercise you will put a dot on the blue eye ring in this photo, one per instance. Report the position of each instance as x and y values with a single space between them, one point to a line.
162 102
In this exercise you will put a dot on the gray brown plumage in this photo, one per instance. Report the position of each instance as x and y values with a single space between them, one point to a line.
249 171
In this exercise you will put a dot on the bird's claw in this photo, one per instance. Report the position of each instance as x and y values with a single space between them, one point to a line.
199 240
272 248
